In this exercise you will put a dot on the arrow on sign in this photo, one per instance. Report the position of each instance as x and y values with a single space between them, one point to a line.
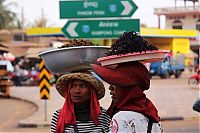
71 29
44 82
127 8
44 73
44 93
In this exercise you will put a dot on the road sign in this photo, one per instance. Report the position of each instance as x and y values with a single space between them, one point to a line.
44 81
99 28
97 8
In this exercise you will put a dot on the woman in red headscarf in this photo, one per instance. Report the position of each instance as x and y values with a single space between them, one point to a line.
81 112
130 110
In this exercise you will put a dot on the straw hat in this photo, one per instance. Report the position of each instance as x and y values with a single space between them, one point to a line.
61 83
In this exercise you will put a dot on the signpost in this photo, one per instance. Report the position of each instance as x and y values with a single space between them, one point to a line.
99 28
44 86
97 8
44 81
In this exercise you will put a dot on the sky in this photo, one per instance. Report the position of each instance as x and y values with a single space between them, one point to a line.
32 11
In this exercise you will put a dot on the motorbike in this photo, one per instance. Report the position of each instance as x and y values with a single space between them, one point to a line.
194 80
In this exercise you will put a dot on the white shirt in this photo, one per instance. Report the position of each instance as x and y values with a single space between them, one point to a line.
132 122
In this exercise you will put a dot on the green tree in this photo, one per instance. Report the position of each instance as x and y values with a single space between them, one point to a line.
7 17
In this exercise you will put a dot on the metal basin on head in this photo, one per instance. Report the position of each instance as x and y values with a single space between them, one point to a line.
65 60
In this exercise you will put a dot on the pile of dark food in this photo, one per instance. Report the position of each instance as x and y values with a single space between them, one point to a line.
76 42
130 42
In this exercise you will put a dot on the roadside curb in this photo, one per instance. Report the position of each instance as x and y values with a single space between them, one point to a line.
175 118
25 100
24 123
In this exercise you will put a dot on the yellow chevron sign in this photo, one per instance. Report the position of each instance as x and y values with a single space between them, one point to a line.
44 93
44 81
43 73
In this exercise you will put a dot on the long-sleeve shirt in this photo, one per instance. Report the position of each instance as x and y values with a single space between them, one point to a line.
132 122
84 126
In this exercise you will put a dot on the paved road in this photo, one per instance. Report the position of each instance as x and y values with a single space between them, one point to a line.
9 120
12 111
182 126
15 110
172 97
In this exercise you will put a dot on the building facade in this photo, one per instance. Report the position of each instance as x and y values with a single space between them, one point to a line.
182 17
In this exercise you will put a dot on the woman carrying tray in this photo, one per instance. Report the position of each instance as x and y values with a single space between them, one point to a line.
81 112
130 110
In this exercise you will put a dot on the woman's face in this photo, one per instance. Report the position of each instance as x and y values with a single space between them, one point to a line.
79 92
115 93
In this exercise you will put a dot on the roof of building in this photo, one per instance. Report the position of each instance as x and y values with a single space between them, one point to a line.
190 0
34 52
146 32
169 33
56 31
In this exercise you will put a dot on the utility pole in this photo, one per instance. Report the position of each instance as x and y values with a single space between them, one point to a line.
43 19
22 18
22 23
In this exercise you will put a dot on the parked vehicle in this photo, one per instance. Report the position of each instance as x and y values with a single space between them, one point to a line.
170 65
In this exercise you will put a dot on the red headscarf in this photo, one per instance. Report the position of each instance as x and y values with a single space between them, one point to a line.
133 99
67 115
132 96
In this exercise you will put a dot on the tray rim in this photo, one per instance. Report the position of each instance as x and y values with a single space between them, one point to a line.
70 48
145 57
